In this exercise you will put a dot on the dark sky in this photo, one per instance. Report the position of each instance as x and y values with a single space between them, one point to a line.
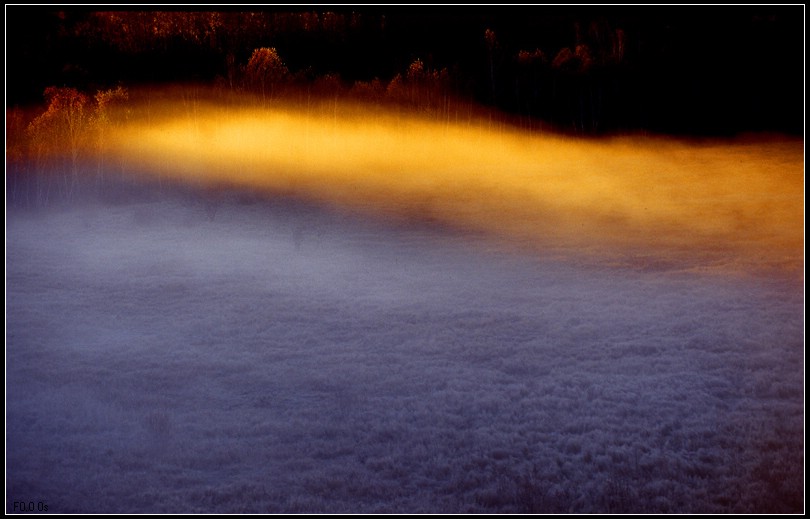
683 69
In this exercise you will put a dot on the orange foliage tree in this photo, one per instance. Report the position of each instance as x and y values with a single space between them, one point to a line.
265 72
61 129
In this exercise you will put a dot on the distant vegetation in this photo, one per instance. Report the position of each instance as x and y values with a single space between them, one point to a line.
606 70
603 72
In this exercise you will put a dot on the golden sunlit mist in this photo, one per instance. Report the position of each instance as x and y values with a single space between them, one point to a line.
645 202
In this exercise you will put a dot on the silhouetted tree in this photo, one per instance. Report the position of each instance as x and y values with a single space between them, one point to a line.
265 71
530 81
62 128
421 88
104 117
492 43
373 90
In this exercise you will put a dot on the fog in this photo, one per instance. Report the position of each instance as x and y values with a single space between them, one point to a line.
278 311
706 205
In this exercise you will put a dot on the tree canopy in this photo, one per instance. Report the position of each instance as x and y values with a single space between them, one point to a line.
675 69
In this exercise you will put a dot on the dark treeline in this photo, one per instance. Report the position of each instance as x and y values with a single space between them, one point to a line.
590 70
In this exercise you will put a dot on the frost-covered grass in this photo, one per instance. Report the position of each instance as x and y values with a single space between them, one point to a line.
275 356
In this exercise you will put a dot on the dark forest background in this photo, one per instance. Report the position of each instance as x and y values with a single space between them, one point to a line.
590 70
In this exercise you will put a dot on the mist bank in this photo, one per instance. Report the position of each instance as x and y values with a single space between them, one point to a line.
639 201
705 205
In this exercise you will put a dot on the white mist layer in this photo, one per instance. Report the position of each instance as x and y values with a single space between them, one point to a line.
280 358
